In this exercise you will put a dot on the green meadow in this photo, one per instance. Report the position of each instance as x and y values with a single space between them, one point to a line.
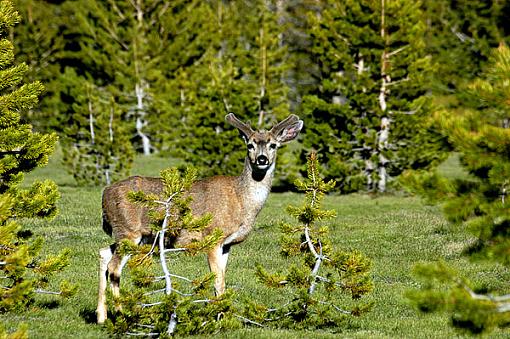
395 231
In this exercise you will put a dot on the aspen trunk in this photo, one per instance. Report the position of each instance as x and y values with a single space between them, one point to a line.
140 119
384 132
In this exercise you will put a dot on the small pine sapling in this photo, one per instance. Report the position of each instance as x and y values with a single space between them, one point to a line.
165 304
324 276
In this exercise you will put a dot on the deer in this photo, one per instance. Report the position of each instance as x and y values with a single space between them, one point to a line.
233 201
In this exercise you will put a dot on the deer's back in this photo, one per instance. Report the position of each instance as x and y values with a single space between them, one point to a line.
123 219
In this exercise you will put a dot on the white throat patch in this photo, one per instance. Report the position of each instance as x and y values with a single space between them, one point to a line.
260 190
259 194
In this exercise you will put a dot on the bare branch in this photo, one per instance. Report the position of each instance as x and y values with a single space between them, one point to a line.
180 249
174 276
47 292
142 334
395 52
246 320
151 304
502 302
396 82
335 307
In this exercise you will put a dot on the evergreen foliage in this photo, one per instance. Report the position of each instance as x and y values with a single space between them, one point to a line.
324 275
368 116
23 272
187 306
97 149
40 43
460 36
481 135
242 71
122 45
175 68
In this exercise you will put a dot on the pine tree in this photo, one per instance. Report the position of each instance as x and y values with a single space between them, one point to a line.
40 42
122 45
242 71
481 135
368 117
97 149
324 275
22 150
186 305
460 37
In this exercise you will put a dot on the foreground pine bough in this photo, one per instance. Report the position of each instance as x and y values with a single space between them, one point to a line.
234 203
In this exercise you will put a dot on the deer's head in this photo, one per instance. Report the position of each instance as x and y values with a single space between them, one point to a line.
262 145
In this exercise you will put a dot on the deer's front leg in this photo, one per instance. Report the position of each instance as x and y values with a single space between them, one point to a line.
217 259
105 255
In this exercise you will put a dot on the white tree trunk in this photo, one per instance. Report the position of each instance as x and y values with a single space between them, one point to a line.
263 76
384 132
91 124
140 119
383 144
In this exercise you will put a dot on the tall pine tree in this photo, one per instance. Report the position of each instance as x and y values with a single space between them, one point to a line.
21 151
368 116
122 45
40 42
481 134
242 71
460 37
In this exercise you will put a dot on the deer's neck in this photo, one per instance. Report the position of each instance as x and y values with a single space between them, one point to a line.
255 185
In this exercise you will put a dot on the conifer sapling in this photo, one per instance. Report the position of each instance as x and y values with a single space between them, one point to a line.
324 273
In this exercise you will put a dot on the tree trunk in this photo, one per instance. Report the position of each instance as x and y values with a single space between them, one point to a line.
384 131
140 119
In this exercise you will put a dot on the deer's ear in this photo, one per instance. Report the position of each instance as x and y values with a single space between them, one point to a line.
290 132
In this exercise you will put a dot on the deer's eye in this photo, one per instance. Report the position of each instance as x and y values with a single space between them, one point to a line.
273 146
250 147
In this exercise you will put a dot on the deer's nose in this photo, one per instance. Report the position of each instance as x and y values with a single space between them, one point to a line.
262 160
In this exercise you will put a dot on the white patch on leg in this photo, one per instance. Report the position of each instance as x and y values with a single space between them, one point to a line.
105 256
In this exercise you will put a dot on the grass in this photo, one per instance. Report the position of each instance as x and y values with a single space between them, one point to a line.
395 231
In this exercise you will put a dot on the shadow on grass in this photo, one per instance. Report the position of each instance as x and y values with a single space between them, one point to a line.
48 304
89 315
